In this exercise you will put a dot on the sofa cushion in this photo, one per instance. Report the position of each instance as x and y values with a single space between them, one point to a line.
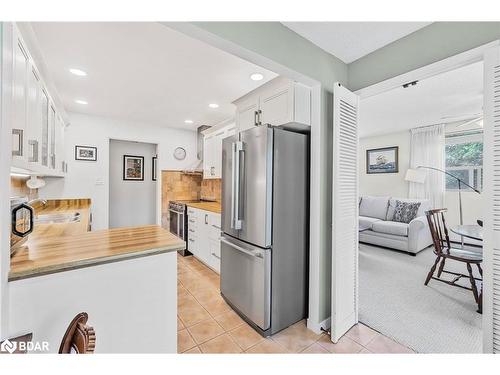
374 207
405 211
391 227
366 222
425 205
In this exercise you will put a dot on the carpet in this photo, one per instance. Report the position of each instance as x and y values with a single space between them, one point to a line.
393 300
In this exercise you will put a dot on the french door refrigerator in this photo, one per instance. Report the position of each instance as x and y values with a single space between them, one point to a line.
264 245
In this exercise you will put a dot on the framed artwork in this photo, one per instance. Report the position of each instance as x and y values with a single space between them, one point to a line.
382 160
133 168
153 172
86 153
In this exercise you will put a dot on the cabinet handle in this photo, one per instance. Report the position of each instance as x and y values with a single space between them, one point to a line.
17 137
260 117
191 230
212 171
206 219
34 151
191 240
215 255
191 220
255 118
216 227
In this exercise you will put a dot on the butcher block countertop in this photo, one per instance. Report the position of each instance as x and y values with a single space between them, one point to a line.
60 247
207 206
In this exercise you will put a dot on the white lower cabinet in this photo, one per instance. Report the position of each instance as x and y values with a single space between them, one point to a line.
204 236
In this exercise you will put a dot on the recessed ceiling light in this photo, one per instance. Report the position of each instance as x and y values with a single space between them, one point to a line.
213 105
256 77
188 121
80 101
78 72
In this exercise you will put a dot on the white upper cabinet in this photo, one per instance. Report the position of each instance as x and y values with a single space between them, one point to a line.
276 103
247 112
37 125
212 149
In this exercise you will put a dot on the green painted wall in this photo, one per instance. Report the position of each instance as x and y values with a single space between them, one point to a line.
423 47
280 44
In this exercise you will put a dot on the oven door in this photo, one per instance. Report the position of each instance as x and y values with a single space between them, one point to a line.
177 223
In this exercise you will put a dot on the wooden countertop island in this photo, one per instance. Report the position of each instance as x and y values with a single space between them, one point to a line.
124 277
44 255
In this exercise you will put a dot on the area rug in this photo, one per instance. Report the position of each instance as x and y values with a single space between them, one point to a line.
393 300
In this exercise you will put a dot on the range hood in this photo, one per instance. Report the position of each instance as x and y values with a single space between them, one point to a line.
197 167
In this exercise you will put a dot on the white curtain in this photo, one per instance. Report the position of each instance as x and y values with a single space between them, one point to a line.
428 150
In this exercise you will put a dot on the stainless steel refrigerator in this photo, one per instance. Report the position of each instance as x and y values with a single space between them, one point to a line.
265 216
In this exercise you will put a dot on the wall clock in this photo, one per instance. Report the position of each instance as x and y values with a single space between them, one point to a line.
180 153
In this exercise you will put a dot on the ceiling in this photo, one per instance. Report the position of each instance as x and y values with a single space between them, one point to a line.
144 72
350 41
448 97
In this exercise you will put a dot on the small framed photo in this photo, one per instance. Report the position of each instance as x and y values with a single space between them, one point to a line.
153 172
382 160
86 153
133 168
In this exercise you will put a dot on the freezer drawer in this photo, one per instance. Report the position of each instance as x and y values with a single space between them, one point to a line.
246 279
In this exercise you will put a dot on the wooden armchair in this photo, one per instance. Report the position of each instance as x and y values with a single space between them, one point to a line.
445 251
79 337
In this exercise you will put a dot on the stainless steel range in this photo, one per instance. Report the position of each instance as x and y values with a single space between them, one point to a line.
178 222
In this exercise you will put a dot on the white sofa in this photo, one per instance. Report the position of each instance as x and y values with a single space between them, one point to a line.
377 228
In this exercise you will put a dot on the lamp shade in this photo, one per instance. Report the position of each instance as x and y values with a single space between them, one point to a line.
415 175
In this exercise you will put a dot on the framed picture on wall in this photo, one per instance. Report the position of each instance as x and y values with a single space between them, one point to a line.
153 172
382 160
87 153
133 168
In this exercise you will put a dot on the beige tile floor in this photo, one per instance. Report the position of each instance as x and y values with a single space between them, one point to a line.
206 324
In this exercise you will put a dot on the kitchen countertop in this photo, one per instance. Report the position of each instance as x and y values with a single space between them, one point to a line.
207 206
61 247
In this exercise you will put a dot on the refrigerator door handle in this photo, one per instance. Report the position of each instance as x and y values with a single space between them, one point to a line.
233 176
239 248
235 211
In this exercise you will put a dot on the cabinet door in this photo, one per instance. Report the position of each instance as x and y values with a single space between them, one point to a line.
246 113
207 156
45 128
60 152
192 234
19 104
217 154
276 105
34 132
52 137
202 248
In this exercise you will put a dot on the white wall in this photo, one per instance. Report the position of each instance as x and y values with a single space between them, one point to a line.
131 203
388 184
91 179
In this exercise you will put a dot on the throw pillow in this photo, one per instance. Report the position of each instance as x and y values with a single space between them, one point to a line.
405 211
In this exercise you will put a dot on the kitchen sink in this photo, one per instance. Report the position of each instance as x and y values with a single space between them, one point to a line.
58 218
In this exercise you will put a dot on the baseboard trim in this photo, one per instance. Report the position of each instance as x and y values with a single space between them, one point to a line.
317 327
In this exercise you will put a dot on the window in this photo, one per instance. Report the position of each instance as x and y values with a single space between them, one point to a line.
464 159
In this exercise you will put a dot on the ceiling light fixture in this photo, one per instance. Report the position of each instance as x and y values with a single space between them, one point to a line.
188 121
213 105
80 101
78 72
256 77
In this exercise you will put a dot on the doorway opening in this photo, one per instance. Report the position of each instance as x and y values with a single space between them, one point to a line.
420 146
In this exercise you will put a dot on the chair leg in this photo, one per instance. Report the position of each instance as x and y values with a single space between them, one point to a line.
441 267
473 283
480 269
431 272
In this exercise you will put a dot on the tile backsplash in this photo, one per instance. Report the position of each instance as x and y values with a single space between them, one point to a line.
211 189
